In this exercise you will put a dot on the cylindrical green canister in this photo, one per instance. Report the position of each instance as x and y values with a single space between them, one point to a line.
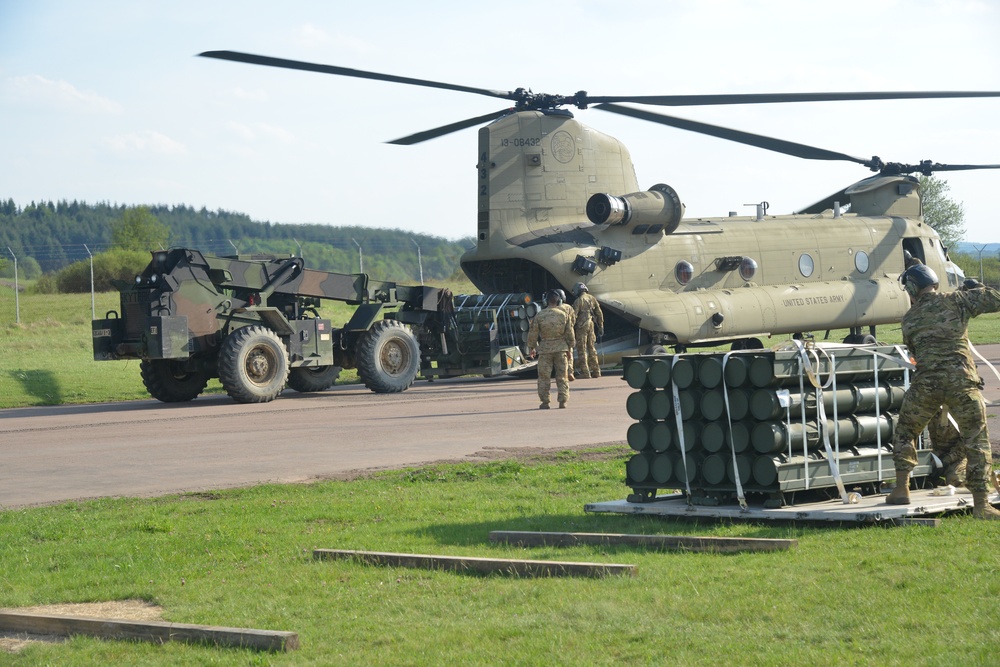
636 372
713 469
638 434
713 404
637 470
710 372
737 369
660 404
658 374
663 468
713 437
661 436
739 404
637 404
684 371
765 471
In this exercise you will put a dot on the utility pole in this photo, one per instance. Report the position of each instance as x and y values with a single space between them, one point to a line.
17 298
420 262
980 250
361 257
93 312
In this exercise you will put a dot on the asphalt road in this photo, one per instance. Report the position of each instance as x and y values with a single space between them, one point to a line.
148 448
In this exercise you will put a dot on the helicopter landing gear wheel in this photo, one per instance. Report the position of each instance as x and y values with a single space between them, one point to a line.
305 379
166 380
253 365
656 349
747 344
859 339
388 357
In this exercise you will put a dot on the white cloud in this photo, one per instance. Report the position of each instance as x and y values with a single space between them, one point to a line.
35 89
261 132
149 141
257 95
311 35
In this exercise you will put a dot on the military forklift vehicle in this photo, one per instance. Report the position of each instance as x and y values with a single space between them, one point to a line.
253 322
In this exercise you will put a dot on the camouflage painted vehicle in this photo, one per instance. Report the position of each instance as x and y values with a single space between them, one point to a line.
252 322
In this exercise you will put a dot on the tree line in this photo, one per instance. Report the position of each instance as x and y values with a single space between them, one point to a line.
47 237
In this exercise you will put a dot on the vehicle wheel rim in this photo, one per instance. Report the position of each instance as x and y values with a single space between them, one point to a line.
260 365
394 357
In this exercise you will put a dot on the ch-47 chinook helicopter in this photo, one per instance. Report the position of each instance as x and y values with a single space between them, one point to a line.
559 203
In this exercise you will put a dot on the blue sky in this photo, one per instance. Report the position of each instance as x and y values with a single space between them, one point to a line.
106 101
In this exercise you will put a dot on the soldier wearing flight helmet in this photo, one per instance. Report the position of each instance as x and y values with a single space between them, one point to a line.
936 333
589 321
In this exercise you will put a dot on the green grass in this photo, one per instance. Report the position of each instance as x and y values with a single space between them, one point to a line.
242 558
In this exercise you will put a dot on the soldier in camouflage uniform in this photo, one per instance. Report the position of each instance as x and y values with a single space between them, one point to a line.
589 320
551 333
936 333
568 309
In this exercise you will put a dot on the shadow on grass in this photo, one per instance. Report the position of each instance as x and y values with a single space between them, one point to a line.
40 384
478 533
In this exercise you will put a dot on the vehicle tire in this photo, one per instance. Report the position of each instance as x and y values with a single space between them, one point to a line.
656 349
388 357
253 365
167 381
313 378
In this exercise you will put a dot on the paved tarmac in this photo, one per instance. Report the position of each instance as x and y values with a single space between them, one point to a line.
148 448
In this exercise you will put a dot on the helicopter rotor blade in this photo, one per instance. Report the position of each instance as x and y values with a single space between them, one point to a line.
447 129
268 61
776 98
758 140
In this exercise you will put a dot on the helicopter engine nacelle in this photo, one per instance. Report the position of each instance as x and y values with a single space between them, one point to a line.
659 205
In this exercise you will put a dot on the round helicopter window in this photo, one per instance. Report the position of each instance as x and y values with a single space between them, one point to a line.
861 261
806 265
683 272
748 268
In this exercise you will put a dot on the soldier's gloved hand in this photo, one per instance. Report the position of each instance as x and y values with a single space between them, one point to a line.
971 283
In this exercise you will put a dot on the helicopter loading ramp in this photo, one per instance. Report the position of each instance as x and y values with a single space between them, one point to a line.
925 508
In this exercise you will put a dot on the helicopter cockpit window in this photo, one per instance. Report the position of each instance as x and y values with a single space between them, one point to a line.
748 268
861 262
640 229
683 272
806 264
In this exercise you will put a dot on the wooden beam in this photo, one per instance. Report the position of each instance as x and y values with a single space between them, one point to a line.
149 631
479 565
676 542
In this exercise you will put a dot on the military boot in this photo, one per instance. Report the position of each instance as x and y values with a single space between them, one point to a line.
901 494
981 507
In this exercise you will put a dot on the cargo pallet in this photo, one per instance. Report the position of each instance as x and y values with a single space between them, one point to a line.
924 508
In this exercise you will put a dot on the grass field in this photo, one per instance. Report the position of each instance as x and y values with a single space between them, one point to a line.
242 558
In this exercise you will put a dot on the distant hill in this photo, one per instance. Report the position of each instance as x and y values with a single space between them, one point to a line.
57 234
991 249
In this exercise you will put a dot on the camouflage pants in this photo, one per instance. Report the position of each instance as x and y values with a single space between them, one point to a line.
922 403
587 363
547 363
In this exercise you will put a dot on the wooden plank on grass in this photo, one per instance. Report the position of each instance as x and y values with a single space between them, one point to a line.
478 565
676 542
149 631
